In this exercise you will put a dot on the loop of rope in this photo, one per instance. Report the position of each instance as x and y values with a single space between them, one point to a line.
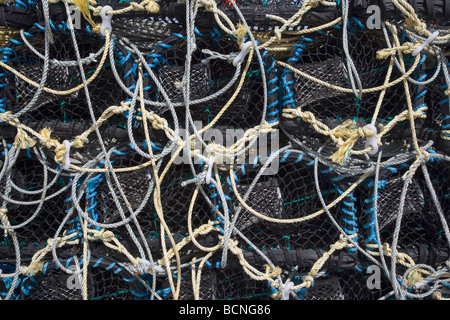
344 136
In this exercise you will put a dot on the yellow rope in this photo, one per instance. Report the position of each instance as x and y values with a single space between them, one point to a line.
83 6
309 279
63 92
294 220
347 90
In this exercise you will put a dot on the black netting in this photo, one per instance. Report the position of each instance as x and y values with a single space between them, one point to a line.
322 56
230 283
288 194
210 76
420 222
138 224
106 281
344 285
40 219
104 90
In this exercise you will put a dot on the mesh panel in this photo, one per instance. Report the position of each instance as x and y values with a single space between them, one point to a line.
42 220
145 220
288 194
175 200
210 76
106 281
322 56
104 90
420 222
230 283
325 289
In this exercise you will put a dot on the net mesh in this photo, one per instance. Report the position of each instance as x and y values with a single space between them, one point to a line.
186 152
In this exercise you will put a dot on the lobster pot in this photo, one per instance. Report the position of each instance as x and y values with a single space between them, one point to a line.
322 56
420 222
107 280
287 194
212 83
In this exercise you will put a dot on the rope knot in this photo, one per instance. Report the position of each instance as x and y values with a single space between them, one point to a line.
345 136
414 276
387 249
424 156
4 218
79 141
416 24
157 122
207 4
106 235
240 33
308 281
272 272
137 6
6 114
46 138
60 152
23 140
307 116
199 179
406 48
32 269
152 7
447 92
343 241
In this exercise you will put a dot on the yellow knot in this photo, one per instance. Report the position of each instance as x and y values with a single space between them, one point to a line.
4 218
83 6
107 235
416 24
406 48
343 242
221 154
50 143
157 122
272 272
447 92
137 6
97 28
346 136
308 281
240 33
79 141
60 152
308 116
46 138
32 269
413 277
207 4
152 7
437 295
387 249
23 140
425 155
